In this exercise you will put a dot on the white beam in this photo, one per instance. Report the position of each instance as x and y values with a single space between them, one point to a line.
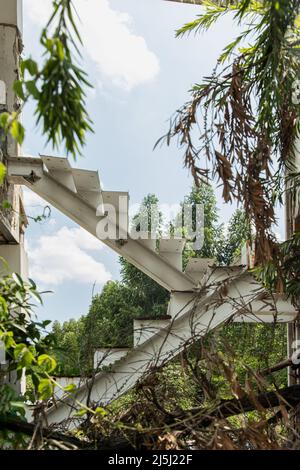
268 310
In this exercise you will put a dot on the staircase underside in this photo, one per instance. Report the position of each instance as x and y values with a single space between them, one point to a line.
118 371
202 298
61 188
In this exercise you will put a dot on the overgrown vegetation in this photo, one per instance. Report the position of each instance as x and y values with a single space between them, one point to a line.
210 399
109 322
25 346
221 393
241 125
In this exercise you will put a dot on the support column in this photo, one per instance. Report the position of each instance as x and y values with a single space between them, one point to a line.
293 335
292 225
10 52
12 219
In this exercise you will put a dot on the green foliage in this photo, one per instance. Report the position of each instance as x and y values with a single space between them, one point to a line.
220 244
10 403
213 12
237 234
27 345
205 196
146 296
2 172
244 114
148 217
282 274
57 88
68 344
62 82
109 322
10 124
258 346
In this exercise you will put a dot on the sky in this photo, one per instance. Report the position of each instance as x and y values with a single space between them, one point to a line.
141 74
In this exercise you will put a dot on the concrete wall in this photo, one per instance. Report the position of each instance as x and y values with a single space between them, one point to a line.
16 258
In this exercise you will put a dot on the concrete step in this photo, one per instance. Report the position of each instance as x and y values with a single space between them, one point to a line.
149 243
180 303
171 250
105 357
268 309
60 169
197 267
86 180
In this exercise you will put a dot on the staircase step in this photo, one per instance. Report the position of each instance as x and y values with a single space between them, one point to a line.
148 243
64 382
104 357
180 303
197 267
60 169
145 328
94 199
119 200
218 274
113 198
86 180
267 310
171 249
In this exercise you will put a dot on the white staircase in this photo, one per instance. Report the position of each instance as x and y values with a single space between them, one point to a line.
76 193
202 297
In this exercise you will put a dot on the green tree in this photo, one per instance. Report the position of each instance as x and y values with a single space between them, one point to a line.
146 296
26 345
68 337
110 317
250 113
237 234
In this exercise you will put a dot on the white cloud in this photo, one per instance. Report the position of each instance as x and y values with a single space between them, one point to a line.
119 54
38 11
63 257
